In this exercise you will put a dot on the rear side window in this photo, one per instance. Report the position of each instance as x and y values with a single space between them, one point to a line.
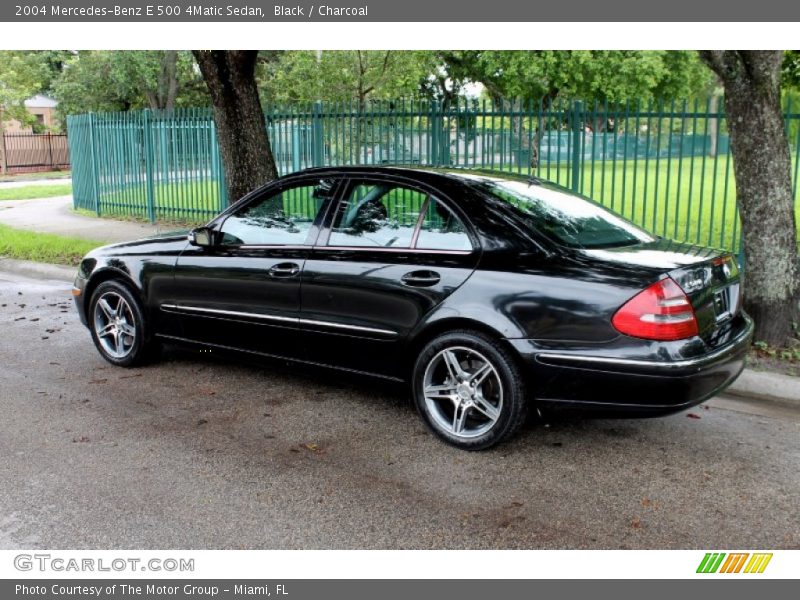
441 229
388 215
567 218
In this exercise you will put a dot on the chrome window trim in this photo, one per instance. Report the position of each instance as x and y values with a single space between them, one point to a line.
396 250
263 246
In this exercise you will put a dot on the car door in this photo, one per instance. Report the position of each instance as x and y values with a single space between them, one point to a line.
389 253
243 291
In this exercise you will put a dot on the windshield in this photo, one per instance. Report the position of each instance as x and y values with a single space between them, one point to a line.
567 218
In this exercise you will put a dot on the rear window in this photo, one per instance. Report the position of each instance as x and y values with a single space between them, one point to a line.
565 217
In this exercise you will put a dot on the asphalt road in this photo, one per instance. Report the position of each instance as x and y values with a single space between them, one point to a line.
200 452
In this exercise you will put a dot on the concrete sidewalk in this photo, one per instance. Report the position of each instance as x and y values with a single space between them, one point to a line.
28 182
55 215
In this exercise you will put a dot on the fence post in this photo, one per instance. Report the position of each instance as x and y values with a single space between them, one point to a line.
148 165
296 150
444 137
577 126
217 170
318 144
95 167
50 148
435 133
3 157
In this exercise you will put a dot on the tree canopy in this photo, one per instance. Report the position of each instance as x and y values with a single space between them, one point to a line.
103 80
345 75
108 80
611 75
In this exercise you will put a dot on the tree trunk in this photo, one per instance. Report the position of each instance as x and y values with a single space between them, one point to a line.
244 145
168 85
762 168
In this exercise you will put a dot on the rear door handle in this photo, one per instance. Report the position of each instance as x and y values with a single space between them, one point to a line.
287 269
421 278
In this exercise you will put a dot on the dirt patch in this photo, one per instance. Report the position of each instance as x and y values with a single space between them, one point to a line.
759 360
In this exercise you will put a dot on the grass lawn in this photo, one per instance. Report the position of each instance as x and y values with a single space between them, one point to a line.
35 191
184 203
43 247
36 176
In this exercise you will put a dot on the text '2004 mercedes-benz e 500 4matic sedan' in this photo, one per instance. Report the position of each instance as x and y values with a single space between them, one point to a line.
490 294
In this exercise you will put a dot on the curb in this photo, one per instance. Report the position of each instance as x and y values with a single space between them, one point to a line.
762 385
37 270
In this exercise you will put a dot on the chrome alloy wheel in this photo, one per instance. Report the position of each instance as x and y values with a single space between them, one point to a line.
114 325
463 392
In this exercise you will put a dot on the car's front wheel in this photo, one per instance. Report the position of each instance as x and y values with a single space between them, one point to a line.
118 325
469 390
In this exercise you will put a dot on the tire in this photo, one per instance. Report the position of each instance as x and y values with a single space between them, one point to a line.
118 326
471 417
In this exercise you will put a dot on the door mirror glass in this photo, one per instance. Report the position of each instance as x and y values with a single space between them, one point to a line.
202 236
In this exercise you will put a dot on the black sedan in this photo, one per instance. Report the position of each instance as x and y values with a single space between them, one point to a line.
491 294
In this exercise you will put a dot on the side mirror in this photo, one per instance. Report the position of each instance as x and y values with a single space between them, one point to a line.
202 237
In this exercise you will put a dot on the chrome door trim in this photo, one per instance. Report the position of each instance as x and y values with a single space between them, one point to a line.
263 317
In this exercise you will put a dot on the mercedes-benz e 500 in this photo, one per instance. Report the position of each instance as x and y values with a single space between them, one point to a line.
490 294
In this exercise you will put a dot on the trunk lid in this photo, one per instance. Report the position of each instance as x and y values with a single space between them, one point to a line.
714 288
709 277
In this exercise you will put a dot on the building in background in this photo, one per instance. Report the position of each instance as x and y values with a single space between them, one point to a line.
43 110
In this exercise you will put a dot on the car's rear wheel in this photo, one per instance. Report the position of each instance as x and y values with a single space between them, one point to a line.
118 326
469 390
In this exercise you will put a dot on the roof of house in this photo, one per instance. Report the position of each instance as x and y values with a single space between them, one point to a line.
40 101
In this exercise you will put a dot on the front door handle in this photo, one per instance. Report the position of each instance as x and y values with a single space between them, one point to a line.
421 278
287 269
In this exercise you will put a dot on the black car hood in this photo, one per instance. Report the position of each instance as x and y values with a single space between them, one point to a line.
144 245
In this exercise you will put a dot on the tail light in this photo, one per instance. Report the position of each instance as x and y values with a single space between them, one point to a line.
660 312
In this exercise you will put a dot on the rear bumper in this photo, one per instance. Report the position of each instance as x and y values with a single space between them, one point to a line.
625 384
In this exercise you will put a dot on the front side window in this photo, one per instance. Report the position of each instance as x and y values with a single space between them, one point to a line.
284 218
378 215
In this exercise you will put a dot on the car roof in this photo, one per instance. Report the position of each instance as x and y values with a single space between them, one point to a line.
431 175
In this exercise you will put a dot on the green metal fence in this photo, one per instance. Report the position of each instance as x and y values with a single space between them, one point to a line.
666 166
